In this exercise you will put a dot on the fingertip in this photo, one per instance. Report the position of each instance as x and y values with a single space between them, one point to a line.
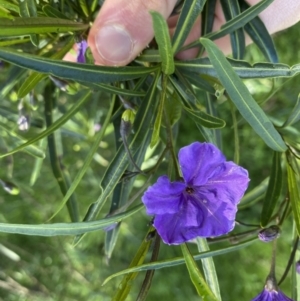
119 35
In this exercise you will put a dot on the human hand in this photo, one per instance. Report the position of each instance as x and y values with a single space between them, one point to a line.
123 28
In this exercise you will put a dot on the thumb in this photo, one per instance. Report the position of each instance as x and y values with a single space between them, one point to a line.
123 28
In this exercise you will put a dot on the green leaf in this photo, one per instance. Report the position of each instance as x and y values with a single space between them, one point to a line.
235 23
159 116
37 164
10 6
125 285
34 78
162 37
180 260
28 9
84 7
87 161
242 98
201 286
231 9
273 191
259 34
57 124
4 13
74 71
209 269
52 12
67 228
188 15
240 20
294 117
173 108
243 69
205 119
37 25
208 17
294 191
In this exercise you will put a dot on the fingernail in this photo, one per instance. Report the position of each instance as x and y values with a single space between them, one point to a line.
114 43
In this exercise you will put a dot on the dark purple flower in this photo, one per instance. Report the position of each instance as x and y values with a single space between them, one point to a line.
271 293
82 46
203 204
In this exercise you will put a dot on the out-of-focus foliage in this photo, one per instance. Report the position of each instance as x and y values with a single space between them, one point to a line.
64 159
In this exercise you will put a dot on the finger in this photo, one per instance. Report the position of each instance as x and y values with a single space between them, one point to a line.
279 14
123 28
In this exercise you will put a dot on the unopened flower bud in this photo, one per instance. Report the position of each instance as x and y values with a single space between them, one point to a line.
269 234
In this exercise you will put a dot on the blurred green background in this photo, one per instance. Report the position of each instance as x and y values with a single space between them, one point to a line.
37 268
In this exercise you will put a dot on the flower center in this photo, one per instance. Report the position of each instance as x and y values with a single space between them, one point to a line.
189 190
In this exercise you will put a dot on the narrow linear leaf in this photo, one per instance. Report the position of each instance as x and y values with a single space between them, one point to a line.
34 78
84 7
9 5
209 269
242 98
208 17
37 164
196 277
205 119
235 23
161 105
294 192
243 69
74 71
259 34
180 260
87 161
4 13
231 9
28 9
295 114
189 13
52 12
125 285
162 37
145 287
240 20
66 228
37 25
273 191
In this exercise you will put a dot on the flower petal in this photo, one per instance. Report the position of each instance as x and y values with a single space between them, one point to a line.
272 295
198 161
164 197
182 226
229 181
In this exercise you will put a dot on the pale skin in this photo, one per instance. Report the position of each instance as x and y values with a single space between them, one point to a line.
123 28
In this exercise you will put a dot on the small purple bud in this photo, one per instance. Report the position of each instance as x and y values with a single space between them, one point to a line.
269 234
82 46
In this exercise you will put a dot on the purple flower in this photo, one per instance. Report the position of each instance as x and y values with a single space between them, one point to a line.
205 203
82 46
271 293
